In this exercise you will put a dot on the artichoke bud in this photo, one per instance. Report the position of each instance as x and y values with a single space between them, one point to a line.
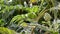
47 17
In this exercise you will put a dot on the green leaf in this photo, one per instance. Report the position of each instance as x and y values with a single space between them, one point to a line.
6 31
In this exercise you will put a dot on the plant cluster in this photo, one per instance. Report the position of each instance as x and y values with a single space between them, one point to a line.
29 17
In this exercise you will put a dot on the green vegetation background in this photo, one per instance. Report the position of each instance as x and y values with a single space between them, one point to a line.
29 16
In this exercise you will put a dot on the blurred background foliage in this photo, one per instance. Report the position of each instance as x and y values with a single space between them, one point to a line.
29 16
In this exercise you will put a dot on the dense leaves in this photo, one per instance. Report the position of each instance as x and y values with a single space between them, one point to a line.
29 17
